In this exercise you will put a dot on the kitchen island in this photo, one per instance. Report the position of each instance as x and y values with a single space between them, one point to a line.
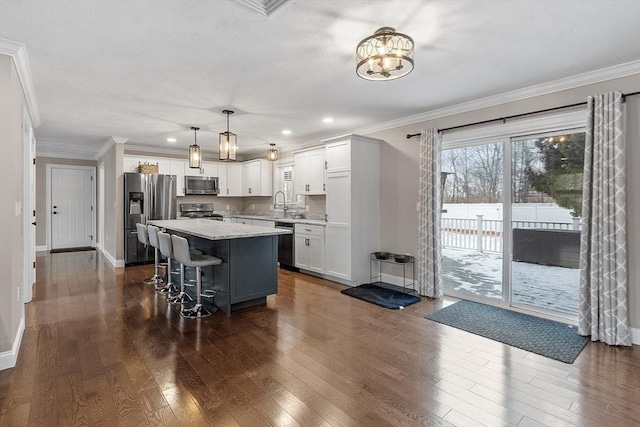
249 254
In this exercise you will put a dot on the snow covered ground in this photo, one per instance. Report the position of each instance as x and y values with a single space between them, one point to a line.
552 288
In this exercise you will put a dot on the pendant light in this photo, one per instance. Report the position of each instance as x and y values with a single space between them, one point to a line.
228 142
272 153
195 160
386 55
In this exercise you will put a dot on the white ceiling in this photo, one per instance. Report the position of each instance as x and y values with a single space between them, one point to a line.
149 70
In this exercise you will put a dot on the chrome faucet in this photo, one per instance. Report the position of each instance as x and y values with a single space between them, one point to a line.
284 203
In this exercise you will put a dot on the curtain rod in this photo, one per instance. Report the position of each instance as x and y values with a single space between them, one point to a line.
503 119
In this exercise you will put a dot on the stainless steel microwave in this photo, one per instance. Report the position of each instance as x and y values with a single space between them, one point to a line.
201 185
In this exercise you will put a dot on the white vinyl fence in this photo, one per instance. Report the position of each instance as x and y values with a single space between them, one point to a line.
486 235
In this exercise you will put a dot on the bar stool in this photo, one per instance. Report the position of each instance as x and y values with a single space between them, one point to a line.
166 249
153 241
143 238
188 259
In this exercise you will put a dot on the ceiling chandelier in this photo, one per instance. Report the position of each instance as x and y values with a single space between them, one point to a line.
228 142
386 55
194 151
272 153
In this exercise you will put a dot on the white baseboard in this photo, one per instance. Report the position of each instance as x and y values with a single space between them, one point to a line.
42 248
635 336
8 358
117 263
326 277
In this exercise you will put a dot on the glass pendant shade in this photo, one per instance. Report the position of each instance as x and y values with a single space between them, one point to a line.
228 142
228 146
386 55
272 153
195 159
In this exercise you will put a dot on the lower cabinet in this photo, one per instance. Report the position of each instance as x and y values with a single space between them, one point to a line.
338 251
309 247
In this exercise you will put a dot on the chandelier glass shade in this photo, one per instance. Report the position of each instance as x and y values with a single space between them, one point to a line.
228 142
386 55
195 159
272 153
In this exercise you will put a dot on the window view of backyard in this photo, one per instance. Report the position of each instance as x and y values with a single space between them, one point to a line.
545 202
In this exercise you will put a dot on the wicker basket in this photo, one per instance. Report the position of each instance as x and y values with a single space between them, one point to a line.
148 168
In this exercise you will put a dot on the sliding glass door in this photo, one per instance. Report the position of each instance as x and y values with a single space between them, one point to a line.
515 244
546 202
472 247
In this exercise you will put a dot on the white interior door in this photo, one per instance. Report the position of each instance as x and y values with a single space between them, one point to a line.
71 208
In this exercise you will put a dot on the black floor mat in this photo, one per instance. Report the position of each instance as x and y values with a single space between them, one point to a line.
383 297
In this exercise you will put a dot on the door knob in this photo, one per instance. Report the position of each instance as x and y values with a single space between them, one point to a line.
55 213
33 223
55 207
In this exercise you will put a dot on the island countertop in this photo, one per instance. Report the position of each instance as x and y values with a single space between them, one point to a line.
217 230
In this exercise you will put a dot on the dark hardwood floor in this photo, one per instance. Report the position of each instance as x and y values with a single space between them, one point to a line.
102 349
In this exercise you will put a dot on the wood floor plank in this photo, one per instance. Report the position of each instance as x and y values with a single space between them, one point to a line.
102 348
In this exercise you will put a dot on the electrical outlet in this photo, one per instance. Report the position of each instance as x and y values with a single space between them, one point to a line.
18 208
18 294
417 206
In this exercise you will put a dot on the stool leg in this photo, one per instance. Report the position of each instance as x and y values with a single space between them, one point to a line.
197 310
156 270
169 287
182 296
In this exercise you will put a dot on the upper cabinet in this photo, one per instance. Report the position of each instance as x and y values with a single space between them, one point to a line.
338 156
131 163
230 179
209 169
257 177
309 172
177 168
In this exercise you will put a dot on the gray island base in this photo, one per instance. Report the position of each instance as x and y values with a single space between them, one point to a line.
249 254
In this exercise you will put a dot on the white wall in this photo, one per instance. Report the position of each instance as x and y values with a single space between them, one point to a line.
400 171
12 101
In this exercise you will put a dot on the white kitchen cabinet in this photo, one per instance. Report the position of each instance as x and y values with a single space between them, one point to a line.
338 156
209 169
257 177
230 179
177 168
264 223
309 172
352 207
309 247
131 163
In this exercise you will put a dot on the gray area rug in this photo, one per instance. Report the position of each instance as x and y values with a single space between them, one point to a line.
541 336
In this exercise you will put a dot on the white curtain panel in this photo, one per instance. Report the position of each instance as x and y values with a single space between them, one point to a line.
602 309
429 253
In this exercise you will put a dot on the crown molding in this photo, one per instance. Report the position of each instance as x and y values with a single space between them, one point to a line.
264 7
156 150
110 143
591 77
18 52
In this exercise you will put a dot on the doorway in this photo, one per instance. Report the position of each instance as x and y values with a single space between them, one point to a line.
29 206
70 206
511 221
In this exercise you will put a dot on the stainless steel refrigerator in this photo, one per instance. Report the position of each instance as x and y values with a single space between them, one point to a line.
146 197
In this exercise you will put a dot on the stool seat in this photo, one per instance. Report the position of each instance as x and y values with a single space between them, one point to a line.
188 258
143 237
166 249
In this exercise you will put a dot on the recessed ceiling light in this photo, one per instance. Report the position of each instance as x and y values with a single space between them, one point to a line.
286 132
327 120
171 140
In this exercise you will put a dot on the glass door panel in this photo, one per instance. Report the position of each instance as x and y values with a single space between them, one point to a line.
546 201
472 222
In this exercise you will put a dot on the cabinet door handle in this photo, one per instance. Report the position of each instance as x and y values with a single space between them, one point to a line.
249 190
307 229
227 191
326 164
306 242
324 187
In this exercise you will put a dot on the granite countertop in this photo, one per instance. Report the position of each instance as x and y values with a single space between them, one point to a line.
217 230
289 220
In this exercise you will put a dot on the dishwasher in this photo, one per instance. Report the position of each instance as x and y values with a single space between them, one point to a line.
286 249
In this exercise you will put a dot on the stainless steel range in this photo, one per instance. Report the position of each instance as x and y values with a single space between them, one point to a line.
199 210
